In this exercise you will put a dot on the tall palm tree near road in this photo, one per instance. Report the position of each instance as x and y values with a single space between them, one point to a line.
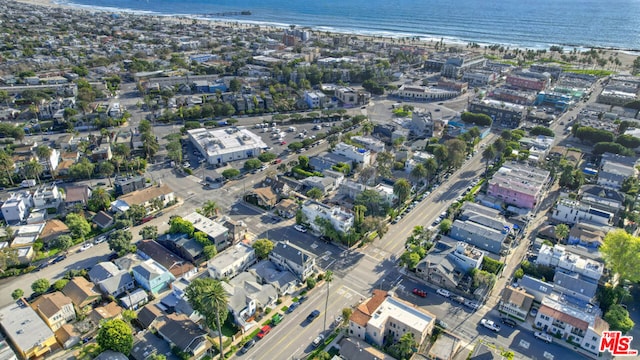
208 297
488 154
44 153
328 277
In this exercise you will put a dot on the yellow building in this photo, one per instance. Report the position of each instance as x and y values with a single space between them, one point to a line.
27 332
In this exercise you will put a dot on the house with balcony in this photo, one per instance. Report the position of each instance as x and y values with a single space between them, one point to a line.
518 185
216 232
231 262
356 155
481 227
570 211
26 331
581 325
449 262
55 309
384 319
287 256
147 198
515 302
340 219
152 276
602 198
47 196
16 209
177 266
245 296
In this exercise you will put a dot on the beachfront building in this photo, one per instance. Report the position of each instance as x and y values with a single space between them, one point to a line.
529 80
518 185
226 145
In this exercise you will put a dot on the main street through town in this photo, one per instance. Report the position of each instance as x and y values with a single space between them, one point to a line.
357 271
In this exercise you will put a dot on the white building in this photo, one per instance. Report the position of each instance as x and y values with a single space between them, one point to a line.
16 208
315 99
47 196
423 93
52 162
340 219
216 232
226 145
581 325
386 191
558 257
479 77
384 318
573 211
369 143
362 156
232 261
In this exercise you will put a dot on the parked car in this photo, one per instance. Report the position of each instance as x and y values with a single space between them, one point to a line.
314 314
444 292
300 228
100 239
490 324
264 331
543 336
419 292
442 324
86 246
472 304
59 258
302 299
276 319
458 299
338 320
248 345
509 322
292 307
318 340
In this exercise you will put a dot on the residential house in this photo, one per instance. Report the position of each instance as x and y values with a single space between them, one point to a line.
573 211
384 319
516 302
292 258
26 235
126 184
181 244
284 281
580 325
449 262
354 154
518 185
81 292
263 197
147 197
369 143
340 219
245 296
107 312
587 235
47 196
103 220
560 257
287 208
179 331
68 336
152 276
614 169
55 309
177 266
536 287
148 316
231 262
16 208
102 153
315 99
482 227
135 299
602 198
147 344
325 161
26 331
76 195
216 232
102 271
52 229
118 284
324 184
25 254
237 229
355 349
351 189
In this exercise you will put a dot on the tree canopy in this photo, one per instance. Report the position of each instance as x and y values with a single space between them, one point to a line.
477 119
120 242
263 247
115 335
621 252
618 319
78 225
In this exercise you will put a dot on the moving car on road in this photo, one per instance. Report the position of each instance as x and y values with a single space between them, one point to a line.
419 292
543 336
490 324
443 292
300 228
314 314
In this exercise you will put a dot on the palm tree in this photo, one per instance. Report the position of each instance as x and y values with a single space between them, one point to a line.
44 152
209 209
328 277
7 165
208 297
419 173
32 169
488 154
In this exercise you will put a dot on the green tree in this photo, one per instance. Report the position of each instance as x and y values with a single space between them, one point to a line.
419 172
618 319
17 294
404 348
621 252
235 85
7 166
328 278
60 284
209 209
78 225
409 259
32 169
100 200
63 242
263 247
252 164
149 232
115 335
120 242
402 189
8 257
180 225
144 126
375 204
209 299
561 231
445 226
210 251
315 193
230 173
267 157
457 150
150 145
44 153
488 155
40 286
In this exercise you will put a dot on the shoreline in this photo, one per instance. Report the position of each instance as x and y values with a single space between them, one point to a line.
625 55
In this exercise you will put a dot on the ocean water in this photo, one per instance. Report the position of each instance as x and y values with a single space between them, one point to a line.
518 23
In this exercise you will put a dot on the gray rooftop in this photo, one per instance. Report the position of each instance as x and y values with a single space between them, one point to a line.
23 326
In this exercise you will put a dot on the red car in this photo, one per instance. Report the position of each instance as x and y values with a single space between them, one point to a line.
264 331
419 292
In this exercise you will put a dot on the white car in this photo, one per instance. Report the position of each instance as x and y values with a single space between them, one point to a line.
543 336
444 292
472 304
300 228
489 324
100 239
86 246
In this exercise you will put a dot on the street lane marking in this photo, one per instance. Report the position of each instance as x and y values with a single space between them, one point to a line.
524 344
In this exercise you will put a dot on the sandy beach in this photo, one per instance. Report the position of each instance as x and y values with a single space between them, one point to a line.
626 58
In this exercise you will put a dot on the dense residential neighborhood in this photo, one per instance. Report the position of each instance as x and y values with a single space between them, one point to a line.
175 188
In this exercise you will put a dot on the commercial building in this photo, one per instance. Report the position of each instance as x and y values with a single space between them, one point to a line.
27 332
423 93
529 80
504 115
221 146
518 185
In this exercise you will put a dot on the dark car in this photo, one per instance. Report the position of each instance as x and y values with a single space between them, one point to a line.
41 266
509 322
292 307
59 258
302 299
248 345
314 314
